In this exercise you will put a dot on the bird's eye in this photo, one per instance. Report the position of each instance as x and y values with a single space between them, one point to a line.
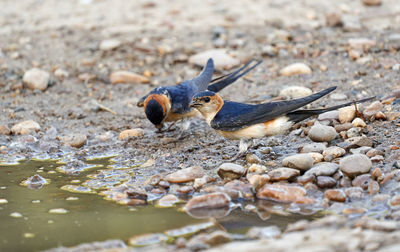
207 99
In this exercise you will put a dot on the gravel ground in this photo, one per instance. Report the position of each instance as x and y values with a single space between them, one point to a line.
79 112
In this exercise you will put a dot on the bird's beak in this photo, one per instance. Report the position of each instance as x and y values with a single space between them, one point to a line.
159 126
193 104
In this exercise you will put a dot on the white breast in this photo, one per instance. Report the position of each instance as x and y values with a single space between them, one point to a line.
260 130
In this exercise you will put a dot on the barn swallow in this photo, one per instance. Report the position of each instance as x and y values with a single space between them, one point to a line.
241 121
171 103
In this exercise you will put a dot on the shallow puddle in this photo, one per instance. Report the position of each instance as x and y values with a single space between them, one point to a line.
27 224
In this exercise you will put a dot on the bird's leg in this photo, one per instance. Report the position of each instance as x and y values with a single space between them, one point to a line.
170 126
184 128
243 147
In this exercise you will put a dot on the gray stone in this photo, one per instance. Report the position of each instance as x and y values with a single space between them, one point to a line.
231 171
323 169
354 165
301 162
322 133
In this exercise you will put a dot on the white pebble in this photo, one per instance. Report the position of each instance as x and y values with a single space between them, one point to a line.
58 211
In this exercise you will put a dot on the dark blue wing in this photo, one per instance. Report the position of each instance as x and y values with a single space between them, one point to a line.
235 116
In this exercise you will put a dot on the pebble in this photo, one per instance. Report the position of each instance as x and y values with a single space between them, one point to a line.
35 182
127 77
29 235
354 165
257 181
268 50
326 182
58 211
16 215
354 192
323 169
347 114
109 44
333 19
361 181
372 2
217 238
256 168
283 173
322 133
361 44
318 157
380 116
358 122
295 92
61 73
338 97
211 200
25 127
360 150
373 109
360 141
137 132
377 158
333 152
373 187
377 173
395 201
75 140
296 68
328 116
231 171
380 225
305 179
335 195
351 23
3 201
301 162
252 159
263 232
343 127
284 194
36 79
313 147
185 175
168 200
185 189
145 240
4 130
222 60
199 182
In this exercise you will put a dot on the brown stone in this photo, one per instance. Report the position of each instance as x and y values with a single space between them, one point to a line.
283 193
283 173
211 200
185 175
335 195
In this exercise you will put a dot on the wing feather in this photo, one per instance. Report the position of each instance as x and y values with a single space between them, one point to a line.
235 116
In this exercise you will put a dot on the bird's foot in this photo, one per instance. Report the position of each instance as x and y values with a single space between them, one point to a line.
243 149
237 156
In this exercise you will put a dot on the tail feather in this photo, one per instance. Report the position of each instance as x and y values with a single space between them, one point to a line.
225 80
302 114
204 78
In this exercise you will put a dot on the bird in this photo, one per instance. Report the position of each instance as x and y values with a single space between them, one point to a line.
171 103
244 122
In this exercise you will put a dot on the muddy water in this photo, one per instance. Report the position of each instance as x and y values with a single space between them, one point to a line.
89 217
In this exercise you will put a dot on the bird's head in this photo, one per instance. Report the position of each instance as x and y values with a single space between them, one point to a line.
207 103
157 106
